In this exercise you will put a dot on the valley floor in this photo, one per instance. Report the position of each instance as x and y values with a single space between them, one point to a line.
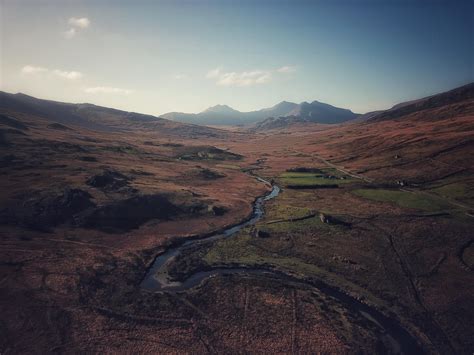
382 218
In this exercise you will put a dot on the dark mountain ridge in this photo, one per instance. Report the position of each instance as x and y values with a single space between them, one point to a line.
84 115
441 106
93 117
225 115
457 95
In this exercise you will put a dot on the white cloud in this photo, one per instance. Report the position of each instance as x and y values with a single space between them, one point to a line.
30 69
180 76
287 69
82 22
70 75
77 24
69 33
107 90
214 73
245 78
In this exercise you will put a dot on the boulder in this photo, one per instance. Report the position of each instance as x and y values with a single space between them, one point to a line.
108 180
262 234
324 218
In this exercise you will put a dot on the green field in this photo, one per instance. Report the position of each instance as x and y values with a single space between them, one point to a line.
254 252
303 226
241 250
228 166
308 179
277 211
457 191
403 199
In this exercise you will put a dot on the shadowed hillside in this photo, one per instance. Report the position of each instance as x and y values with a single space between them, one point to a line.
97 118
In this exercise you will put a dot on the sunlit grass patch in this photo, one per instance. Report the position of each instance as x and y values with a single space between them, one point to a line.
302 226
228 166
403 199
235 249
281 211
309 179
294 175
457 191
314 177
242 250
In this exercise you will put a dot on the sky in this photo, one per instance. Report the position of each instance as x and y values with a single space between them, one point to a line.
160 56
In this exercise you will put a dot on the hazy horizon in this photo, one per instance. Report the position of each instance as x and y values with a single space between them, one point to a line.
168 56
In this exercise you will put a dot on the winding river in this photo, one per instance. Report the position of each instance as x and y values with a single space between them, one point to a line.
158 279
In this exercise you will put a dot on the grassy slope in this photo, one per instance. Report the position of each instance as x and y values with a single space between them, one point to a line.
403 199
307 179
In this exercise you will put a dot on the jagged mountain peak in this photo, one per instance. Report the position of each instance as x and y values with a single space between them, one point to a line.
220 109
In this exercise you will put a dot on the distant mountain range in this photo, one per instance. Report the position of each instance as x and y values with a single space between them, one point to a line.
280 116
323 113
224 115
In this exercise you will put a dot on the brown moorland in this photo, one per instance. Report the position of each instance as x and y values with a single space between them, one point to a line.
90 196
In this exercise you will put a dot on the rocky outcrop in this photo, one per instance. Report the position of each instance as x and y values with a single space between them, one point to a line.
131 213
128 214
42 211
262 234
109 180
327 219
206 153
208 174
324 218
219 210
